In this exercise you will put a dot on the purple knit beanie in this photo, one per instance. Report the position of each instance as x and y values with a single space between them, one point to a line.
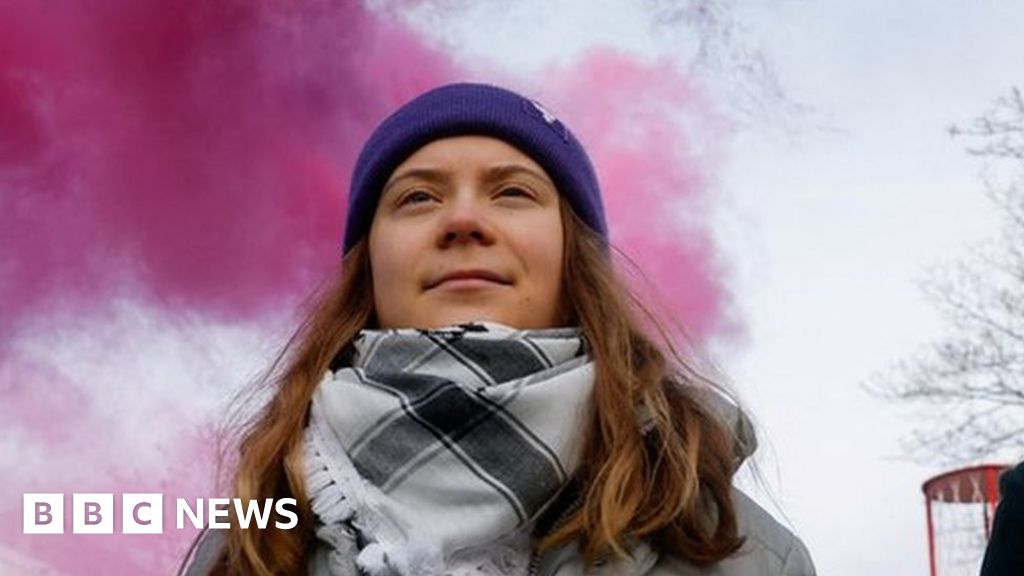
481 110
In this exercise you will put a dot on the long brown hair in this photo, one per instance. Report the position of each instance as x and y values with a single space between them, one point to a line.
669 484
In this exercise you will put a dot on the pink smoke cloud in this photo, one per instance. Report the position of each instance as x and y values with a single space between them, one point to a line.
198 149
193 157
655 139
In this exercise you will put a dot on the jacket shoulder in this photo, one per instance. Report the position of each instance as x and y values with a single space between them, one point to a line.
1011 482
769 549
204 554
1004 554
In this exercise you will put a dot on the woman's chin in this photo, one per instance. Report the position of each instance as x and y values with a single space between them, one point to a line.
467 316
433 314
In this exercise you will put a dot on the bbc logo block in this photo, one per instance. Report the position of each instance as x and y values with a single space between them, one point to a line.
43 513
92 513
142 513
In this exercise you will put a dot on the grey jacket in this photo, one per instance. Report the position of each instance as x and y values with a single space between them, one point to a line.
769 548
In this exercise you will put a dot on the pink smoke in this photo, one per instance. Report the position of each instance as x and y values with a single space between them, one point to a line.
193 157
646 127
200 148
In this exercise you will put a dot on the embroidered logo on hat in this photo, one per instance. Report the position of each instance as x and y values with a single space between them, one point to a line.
548 116
550 119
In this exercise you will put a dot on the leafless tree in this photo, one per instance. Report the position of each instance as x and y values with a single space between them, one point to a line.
969 385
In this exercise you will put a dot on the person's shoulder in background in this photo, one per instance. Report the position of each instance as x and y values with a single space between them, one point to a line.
1012 481
1004 555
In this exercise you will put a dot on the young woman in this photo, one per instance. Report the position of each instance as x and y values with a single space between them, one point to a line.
479 393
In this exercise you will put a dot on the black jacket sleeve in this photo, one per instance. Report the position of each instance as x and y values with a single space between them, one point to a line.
1004 555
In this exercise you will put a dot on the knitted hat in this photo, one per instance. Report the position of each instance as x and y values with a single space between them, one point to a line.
473 109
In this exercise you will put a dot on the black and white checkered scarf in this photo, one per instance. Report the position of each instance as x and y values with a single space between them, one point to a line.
438 446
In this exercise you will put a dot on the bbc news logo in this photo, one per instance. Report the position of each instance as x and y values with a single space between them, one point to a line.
144 513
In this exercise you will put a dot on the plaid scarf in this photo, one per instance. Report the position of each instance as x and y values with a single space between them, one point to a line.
438 447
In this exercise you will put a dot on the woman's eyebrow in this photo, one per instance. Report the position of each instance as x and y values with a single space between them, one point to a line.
492 174
505 170
428 174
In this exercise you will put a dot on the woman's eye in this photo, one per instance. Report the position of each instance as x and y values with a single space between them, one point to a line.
415 197
515 191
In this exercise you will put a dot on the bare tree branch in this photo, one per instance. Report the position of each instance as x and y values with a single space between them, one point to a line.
968 387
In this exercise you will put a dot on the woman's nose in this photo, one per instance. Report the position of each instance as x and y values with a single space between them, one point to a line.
465 222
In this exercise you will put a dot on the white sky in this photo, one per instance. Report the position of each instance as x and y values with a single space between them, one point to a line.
829 217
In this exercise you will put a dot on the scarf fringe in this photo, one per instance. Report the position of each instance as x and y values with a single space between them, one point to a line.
326 499
333 508
338 496
373 559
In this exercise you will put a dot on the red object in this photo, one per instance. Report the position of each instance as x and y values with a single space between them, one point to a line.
973 484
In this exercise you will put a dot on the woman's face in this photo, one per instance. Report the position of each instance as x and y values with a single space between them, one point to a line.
467 229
